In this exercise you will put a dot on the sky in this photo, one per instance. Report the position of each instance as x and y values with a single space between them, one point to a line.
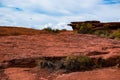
56 14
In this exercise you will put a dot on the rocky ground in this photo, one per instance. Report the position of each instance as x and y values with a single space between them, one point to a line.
18 55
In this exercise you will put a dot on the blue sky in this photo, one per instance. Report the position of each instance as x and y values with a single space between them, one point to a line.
56 13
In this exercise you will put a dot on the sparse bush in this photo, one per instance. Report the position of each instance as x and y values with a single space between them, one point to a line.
99 63
48 29
51 30
105 27
63 30
102 33
105 32
115 34
45 64
84 28
76 63
69 63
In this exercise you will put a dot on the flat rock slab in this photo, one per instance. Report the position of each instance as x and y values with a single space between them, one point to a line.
37 74
56 45
100 74
19 74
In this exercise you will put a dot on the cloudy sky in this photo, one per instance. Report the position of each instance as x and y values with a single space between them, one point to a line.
56 13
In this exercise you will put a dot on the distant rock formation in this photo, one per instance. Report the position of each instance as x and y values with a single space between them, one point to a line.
97 24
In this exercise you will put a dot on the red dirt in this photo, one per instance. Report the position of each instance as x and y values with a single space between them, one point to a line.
62 44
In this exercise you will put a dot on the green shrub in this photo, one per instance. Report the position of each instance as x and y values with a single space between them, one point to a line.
51 30
102 33
75 63
47 29
105 27
115 34
99 63
45 64
84 28
63 30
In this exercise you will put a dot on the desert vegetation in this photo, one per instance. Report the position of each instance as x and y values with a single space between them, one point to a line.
87 28
115 34
109 34
15 31
48 29
76 63
84 28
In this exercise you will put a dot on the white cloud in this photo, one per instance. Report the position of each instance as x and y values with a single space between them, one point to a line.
54 13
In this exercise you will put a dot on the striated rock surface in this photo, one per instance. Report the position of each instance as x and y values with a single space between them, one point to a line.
19 53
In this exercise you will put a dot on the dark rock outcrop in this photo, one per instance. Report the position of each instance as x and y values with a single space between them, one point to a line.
97 24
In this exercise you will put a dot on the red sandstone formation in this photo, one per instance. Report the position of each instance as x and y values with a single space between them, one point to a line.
19 53
97 24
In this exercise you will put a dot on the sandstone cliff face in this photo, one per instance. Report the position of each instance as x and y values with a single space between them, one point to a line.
18 55
97 24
